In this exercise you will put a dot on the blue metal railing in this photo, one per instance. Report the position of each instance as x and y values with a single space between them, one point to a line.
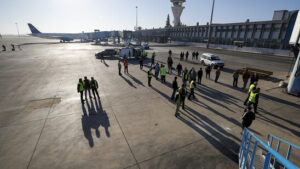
245 150
279 141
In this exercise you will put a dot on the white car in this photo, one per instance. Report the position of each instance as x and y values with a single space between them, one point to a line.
212 60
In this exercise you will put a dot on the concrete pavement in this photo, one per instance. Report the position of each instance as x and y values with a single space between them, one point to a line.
44 125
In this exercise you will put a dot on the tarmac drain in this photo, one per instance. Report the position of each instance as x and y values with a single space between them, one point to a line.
43 103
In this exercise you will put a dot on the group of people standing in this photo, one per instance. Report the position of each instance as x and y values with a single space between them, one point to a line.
189 78
195 55
87 85
12 47
246 76
252 96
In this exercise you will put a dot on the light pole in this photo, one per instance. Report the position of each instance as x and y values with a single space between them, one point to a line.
209 28
17 29
136 20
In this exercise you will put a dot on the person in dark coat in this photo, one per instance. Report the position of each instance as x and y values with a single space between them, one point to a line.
235 78
246 77
141 63
87 87
175 87
193 55
200 73
186 55
254 78
218 73
179 69
207 71
181 56
247 118
197 54
170 52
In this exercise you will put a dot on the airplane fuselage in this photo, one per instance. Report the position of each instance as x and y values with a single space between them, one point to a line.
61 36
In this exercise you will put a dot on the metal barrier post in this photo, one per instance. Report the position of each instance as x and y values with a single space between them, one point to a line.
267 161
253 155
278 146
248 147
288 154
244 145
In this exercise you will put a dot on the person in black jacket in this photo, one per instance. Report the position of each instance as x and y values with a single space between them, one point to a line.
186 55
207 71
175 87
200 73
254 78
247 118
179 69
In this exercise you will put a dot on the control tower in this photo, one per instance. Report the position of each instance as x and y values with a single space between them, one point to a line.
177 9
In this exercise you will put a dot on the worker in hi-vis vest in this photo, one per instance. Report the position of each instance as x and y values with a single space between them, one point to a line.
253 99
252 87
80 88
185 76
163 72
192 87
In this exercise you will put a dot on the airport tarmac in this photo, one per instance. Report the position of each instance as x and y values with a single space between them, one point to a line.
44 125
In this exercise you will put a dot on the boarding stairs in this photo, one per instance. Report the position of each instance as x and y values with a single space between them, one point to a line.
256 154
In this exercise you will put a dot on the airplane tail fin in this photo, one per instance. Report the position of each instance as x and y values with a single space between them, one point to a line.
33 29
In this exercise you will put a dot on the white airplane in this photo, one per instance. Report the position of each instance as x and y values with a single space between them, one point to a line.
63 37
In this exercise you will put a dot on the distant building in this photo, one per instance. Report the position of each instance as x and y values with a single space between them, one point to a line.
273 33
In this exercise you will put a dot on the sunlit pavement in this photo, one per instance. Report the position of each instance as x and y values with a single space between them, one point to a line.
44 125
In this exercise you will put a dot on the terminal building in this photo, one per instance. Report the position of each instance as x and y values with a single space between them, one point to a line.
274 34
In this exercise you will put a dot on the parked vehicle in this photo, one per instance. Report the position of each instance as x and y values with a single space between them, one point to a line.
106 52
146 46
212 60
130 52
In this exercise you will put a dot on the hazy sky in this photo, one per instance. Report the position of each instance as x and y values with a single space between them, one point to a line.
87 15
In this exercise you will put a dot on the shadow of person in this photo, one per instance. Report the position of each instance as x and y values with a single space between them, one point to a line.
128 81
85 121
104 121
105 63
93 119
136 80
98 104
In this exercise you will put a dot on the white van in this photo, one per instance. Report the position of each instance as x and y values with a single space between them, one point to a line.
212 60
126 52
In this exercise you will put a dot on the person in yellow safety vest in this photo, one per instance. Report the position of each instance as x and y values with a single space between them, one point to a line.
149 77
163 72
80 88
253 99
178 100
94 86
252 87
144 54
192 87
185 76
183 91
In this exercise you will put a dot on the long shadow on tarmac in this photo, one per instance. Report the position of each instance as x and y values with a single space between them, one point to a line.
128 81
270 114
218 95
276 99
93 119
264 118
225 145
136 80
229 86
161 93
